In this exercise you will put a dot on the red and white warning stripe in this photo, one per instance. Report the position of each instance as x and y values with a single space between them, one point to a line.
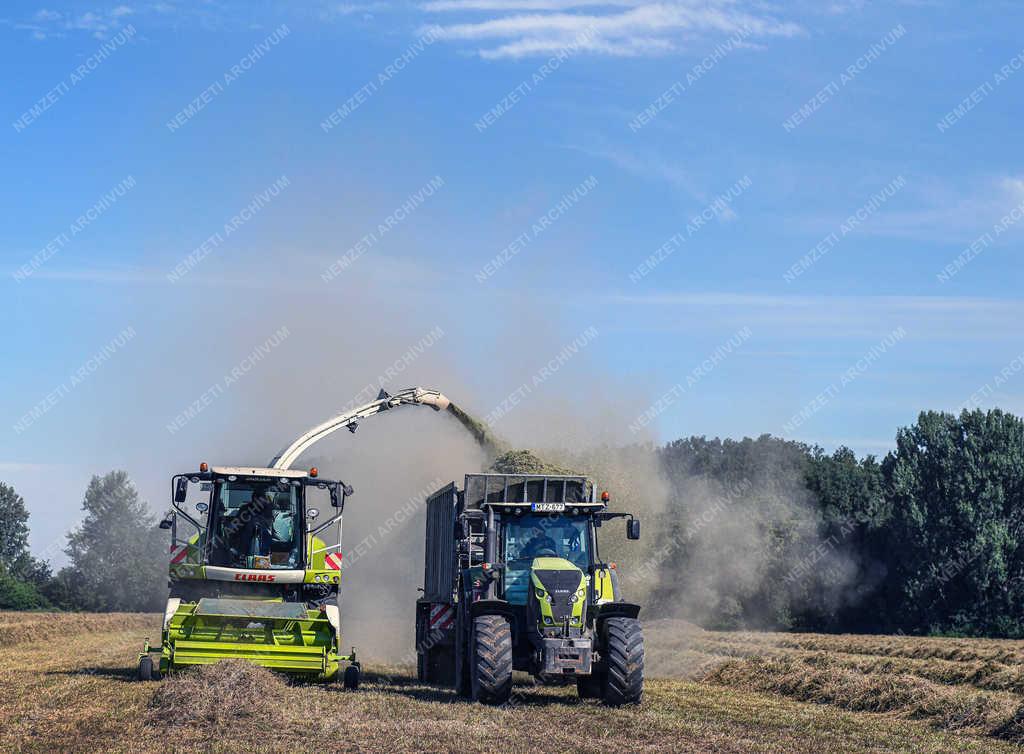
178 553
442 615
333 561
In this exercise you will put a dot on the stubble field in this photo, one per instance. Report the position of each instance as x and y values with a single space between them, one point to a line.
67 684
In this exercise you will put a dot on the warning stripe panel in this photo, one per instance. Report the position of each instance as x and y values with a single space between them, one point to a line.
333 561
178 553
442 615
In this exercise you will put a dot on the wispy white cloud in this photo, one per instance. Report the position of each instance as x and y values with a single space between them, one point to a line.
624 28
941 212
348 9
933 318
47 23
649 167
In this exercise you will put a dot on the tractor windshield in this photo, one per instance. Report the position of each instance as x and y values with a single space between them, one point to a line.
255 524
531 536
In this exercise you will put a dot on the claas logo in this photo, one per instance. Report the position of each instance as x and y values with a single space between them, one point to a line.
254 577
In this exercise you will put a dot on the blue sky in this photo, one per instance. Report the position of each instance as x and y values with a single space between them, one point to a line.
96 104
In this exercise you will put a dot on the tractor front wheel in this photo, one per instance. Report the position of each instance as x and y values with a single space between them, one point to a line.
624 661
146 669
491 668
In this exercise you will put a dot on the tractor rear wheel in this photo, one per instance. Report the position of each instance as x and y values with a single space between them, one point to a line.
491 668
624 661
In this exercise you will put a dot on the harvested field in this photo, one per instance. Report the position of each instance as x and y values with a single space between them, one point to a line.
738 692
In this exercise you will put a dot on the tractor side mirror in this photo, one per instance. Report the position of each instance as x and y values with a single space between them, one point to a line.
633 528
181 489
166 523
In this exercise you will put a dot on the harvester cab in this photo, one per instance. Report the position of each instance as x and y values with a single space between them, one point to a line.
514 581
252 575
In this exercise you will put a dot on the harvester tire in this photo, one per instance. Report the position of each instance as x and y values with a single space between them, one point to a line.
624 661
351 678
146 669
491 669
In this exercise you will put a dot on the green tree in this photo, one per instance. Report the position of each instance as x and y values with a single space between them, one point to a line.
16 563
13 527
956 485
117 555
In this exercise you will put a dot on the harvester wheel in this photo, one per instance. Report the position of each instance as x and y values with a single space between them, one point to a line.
624 661
492 659
352 677
146 669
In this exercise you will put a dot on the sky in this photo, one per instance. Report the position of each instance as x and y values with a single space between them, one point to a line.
620 221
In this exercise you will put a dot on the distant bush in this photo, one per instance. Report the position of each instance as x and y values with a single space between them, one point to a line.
16 594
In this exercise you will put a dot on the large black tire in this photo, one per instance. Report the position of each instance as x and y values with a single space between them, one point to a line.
146 669
351 677
623 661
491 668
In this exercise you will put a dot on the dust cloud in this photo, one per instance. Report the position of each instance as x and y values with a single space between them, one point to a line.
386 330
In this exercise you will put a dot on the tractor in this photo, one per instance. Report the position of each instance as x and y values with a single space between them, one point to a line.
513 580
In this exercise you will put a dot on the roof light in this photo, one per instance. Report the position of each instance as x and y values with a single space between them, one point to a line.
605 497
314 471
204 467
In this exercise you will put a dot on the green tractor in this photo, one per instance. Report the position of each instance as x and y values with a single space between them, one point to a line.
251 577
514 581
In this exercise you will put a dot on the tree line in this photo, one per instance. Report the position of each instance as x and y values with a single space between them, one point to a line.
761 533
117 555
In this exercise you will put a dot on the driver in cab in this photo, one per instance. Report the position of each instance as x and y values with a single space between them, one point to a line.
540 544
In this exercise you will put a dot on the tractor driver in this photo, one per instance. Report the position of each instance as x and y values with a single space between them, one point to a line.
539 544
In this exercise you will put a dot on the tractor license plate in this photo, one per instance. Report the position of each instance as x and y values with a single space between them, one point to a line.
547 507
